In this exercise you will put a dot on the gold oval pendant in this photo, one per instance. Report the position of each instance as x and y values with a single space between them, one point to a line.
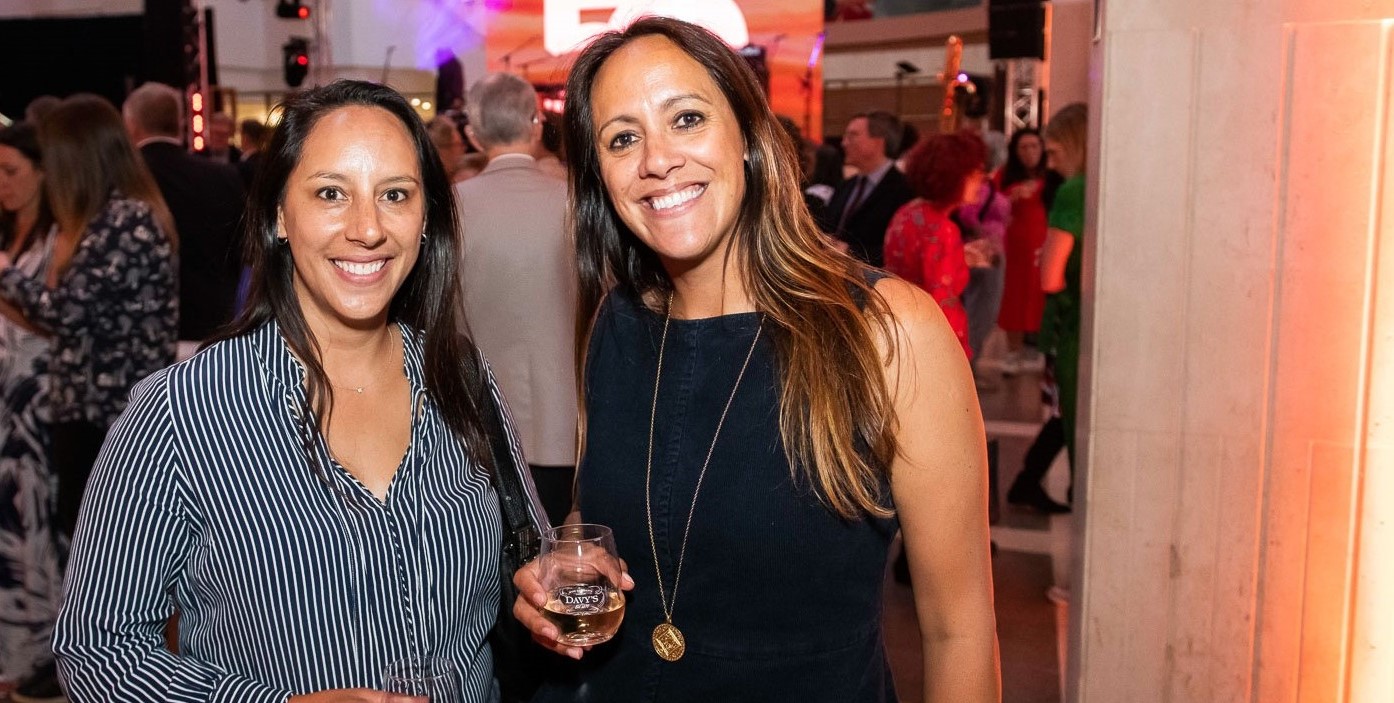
668 642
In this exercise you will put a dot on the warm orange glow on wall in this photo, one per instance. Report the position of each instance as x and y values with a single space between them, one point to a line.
1238 334
1372 641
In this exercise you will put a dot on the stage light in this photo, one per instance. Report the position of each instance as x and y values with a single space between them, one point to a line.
292 10
415 102
426 105
196 121
296 60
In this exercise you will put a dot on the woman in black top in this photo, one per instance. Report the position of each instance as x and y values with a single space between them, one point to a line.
761 412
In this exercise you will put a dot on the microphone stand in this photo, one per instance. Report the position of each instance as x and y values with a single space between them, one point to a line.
387 61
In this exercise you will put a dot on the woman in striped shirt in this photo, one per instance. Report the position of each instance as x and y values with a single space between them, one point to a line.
309 492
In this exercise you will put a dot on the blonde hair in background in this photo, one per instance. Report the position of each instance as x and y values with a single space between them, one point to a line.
1070 129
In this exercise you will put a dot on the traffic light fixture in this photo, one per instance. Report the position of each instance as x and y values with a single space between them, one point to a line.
292 10
296 60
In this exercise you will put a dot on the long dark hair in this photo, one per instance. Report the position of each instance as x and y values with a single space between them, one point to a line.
836 415
24 138
1014 171
429 298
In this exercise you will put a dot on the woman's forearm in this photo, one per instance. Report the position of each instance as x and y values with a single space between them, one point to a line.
962 669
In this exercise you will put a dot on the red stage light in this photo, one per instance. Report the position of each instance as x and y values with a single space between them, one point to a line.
303 60
304 12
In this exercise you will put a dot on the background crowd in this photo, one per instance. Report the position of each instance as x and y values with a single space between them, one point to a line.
123 252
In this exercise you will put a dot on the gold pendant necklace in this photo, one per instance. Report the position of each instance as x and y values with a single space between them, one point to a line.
668 640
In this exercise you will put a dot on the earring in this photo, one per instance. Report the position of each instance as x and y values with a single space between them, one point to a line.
423 233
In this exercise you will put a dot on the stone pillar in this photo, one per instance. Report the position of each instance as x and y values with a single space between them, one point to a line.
1235 540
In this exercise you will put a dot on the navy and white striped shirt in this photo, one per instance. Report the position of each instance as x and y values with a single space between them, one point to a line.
288 580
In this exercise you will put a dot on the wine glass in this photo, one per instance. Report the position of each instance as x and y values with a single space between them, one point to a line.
581 573
420 680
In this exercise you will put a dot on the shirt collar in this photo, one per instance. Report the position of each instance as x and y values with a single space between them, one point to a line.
283 369
875 176
511 160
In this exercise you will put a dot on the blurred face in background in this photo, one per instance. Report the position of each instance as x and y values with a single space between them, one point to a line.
219 134
21 181
1029 151
452 151
1063 160
972 185
863 151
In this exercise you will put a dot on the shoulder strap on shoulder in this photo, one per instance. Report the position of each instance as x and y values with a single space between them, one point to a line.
521 539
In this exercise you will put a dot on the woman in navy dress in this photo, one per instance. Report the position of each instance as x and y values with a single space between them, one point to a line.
761 412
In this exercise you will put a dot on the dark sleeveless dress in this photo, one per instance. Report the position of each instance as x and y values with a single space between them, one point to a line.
779 600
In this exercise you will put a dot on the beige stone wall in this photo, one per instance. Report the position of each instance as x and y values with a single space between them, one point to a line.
1239 373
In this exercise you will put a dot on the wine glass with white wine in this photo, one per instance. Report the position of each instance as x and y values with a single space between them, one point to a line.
581 574
423 679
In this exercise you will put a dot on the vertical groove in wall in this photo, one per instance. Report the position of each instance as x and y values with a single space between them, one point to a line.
1365 370
1077 657
1192 158
1280 172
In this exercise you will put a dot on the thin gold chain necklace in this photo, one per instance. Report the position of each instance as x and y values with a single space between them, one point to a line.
392 347
668 640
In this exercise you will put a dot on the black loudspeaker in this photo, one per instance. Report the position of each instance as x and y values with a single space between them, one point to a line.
1016 29
172 52
168 54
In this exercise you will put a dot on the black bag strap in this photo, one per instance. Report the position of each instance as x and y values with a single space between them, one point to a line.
518 662
521 539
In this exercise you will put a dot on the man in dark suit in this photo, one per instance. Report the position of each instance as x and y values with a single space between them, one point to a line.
206 199
862 206
218 144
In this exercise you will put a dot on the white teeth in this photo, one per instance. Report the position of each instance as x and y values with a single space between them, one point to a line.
673 200
363 269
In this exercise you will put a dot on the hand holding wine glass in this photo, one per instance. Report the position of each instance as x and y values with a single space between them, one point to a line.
570 596
423 679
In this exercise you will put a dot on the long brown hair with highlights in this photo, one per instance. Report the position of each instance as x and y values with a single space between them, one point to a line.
87 154
836 415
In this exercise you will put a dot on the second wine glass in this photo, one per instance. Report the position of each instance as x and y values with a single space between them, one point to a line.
581 574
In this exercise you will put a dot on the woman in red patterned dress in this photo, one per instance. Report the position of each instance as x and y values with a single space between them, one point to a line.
923 246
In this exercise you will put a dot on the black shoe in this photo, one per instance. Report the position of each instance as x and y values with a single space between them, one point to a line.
1035 498
42 687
